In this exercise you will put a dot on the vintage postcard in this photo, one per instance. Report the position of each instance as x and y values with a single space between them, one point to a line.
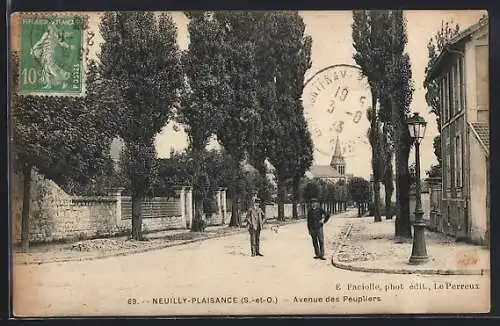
249 163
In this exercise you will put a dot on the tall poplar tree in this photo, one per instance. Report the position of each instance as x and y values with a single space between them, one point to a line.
400 90
141 59
204 96
290 148
266 61
239 115
371 41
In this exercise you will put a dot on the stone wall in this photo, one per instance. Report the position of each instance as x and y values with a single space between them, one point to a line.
54 215
57 216
157 214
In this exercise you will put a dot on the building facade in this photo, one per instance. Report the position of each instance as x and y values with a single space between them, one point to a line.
331 173
461 72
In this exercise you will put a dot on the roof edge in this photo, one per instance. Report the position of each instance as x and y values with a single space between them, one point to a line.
464 35
483 145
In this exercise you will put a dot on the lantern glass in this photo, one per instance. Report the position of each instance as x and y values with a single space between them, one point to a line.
411 128
422 129
416 127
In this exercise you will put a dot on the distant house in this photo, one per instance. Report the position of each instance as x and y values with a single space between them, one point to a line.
462 73
333 172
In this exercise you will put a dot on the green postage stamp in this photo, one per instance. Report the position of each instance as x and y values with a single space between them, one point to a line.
51 55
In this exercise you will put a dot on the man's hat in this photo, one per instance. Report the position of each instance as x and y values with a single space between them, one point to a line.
256 200
314 199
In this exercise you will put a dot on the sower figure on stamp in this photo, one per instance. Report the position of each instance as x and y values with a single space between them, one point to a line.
45 51
316 217
255 219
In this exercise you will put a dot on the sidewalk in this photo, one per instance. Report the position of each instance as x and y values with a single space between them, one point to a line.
120 246
370 247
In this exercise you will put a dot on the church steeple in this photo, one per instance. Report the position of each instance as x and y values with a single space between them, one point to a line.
338 161
337 152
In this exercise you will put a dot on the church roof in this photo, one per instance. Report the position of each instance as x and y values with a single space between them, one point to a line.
324 171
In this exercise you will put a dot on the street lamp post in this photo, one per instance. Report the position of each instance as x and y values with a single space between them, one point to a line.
416 126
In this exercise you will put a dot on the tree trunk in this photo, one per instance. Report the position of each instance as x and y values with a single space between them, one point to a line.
137 216
402 224
359 209
235 218
295 211
196 225
376 202
296 198
25 215
388 187
233 194
388 170
376 157
281 200
402 150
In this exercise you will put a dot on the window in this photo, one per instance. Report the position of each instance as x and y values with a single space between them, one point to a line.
447 153
443 99
461 84
456 87
458 162
453 83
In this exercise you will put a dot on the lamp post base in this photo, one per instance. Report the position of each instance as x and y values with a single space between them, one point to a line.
418 260
419 250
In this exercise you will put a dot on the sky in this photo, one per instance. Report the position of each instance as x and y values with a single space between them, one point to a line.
332 45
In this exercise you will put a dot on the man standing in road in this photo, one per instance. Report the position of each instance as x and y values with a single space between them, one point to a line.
255 219
316 217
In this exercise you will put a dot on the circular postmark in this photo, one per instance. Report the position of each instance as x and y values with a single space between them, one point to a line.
336 100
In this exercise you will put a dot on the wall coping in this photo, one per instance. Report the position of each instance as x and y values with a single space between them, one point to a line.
177 216
152 198
93 199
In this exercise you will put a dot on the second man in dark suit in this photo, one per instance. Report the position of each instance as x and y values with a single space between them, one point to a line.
316 217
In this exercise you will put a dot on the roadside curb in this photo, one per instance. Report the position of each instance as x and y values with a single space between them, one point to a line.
139 250
336 263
